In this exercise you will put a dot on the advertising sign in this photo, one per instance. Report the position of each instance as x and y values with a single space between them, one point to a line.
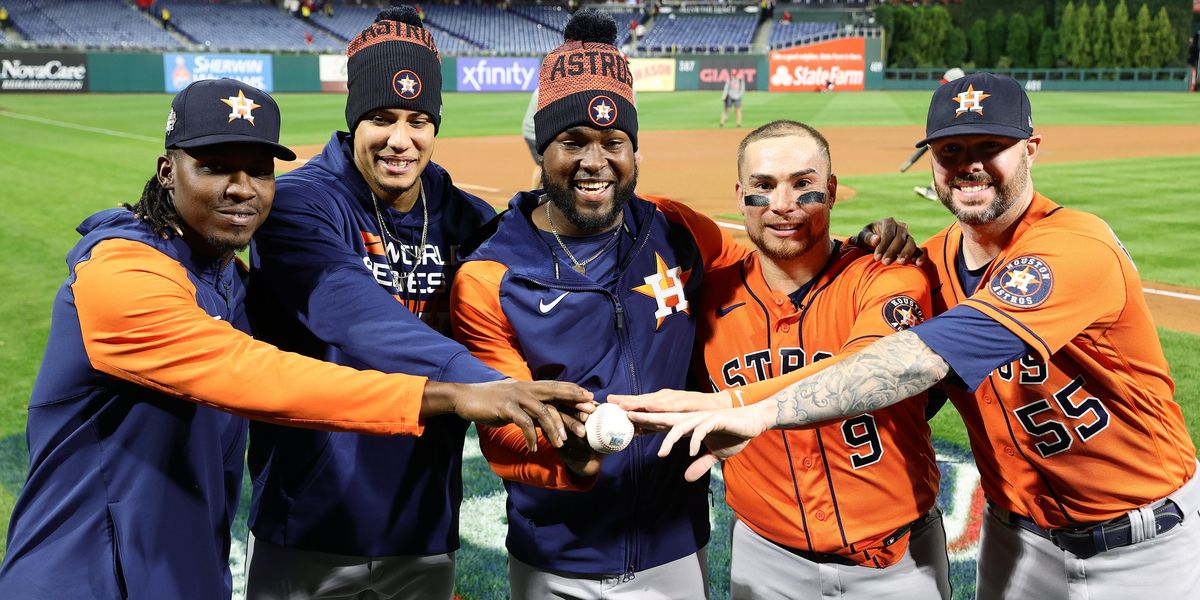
251 69
43 72
713 72
813 67
653 74
498 74
332 72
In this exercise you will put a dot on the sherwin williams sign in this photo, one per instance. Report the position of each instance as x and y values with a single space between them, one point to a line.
504 74
809 68
251 69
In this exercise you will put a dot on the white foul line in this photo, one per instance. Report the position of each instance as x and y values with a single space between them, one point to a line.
478 188
1180 295
78 127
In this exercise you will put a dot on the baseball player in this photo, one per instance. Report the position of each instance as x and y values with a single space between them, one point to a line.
354 266
136 425
592 283
1084 457
849 505
731 97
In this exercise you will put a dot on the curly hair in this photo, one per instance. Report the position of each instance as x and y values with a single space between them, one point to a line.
157 208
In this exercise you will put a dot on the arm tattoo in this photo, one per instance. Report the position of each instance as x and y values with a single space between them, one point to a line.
886 372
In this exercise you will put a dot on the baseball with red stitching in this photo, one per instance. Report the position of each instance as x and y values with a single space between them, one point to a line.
609 429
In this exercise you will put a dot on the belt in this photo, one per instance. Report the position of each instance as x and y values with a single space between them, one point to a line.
1090 540
821 557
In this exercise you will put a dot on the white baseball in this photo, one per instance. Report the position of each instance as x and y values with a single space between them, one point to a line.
609 429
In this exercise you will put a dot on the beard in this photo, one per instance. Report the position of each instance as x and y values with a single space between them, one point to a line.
1006 195
563 197
783 250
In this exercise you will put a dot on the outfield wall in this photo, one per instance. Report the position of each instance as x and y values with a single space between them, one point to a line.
849 64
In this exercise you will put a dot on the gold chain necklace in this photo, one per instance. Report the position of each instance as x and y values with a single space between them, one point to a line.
581 267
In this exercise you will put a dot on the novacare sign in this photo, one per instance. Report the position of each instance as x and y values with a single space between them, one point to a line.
809 68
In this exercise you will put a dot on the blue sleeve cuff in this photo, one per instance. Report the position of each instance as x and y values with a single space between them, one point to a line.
972 343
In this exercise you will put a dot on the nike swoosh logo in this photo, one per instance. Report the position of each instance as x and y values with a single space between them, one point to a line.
728 309
546 308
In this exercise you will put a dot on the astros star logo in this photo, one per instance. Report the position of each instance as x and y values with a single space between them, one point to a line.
240 107
970 101
1024 282
665 285
602 111
1021 280
406 84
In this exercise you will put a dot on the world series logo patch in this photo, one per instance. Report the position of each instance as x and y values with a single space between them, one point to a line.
602 111
1024 282
406 84
902 312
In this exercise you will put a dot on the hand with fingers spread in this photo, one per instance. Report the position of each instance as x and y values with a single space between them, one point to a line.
890 241
528 404
723 433
672 401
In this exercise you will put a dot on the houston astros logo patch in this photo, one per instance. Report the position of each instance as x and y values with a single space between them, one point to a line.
240 107
1024 282
602 111
902 312
406 84
970 101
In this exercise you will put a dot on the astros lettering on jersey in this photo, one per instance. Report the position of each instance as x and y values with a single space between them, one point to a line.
846 487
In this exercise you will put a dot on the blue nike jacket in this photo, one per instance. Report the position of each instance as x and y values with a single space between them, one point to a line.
528 314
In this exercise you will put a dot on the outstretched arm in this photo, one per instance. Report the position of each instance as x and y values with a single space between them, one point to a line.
887 371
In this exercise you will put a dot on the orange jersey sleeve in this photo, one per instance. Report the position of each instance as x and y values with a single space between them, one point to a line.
168 343
478 322
717 247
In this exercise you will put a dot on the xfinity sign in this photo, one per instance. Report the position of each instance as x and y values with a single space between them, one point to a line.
498 74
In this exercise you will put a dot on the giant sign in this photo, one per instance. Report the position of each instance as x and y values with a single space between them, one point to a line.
498 74
43 72
653 74
712 72
252 69
813 67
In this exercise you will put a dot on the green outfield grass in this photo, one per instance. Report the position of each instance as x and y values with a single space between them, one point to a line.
56 171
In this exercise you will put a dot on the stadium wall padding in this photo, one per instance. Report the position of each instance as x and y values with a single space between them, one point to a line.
297 73
125 72
144 72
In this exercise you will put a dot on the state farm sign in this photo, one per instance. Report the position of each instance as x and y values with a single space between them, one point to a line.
810 68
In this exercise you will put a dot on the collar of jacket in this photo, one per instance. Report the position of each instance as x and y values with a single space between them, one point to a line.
120 223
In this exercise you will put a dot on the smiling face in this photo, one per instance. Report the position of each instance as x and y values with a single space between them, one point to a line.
222 193
391 148
982 178
782 169
589 174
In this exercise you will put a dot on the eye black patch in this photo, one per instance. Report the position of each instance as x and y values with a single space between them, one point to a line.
805 198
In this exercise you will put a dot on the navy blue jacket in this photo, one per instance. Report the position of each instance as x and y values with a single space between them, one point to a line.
321 285
130 492
633 339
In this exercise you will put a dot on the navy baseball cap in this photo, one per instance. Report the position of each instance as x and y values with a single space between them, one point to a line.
979 104
224 111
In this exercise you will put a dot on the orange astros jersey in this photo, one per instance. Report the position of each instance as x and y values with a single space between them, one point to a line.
846 487
1085 428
